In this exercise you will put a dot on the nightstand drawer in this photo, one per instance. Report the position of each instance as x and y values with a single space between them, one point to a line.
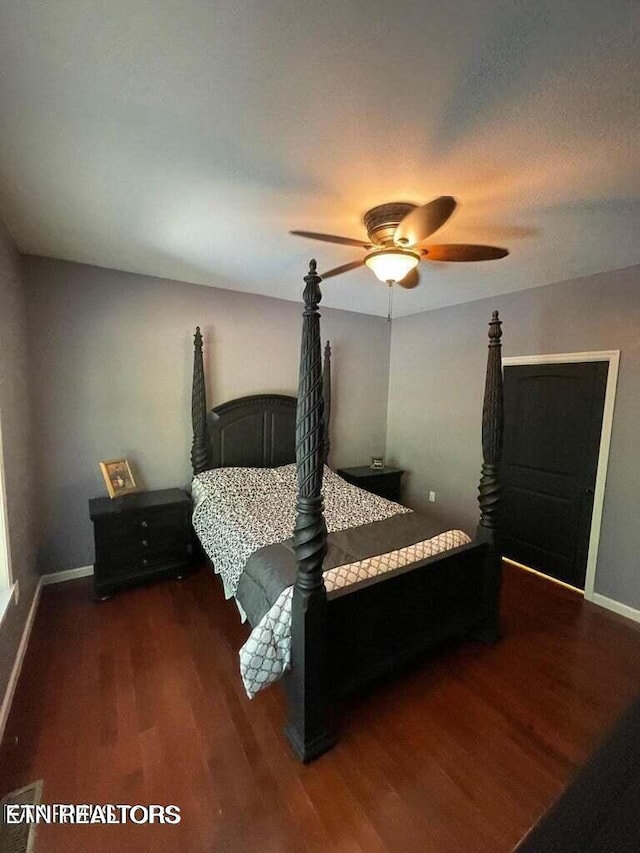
112 543
126 563
385 482
385 485
118 549
155 526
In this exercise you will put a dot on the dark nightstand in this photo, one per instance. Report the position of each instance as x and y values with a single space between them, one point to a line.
140 537
381 481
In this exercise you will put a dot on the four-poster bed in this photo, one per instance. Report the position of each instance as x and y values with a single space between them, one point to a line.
343 634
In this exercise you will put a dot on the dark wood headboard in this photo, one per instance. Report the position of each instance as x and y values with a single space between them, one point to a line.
255 432
252 432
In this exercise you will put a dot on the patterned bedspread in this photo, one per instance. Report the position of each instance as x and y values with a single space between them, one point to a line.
238 511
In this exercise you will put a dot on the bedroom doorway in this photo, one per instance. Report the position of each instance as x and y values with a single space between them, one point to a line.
558 418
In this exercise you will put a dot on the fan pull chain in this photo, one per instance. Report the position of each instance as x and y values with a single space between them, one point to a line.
390 310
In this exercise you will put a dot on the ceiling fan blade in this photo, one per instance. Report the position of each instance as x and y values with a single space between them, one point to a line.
332 238
353 265
464 252
423 221
411 280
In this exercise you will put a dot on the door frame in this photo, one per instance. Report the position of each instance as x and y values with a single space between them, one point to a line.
613 357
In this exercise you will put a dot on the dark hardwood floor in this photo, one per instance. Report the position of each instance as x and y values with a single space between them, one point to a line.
139 700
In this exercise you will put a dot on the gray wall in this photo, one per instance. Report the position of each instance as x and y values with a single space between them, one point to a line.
111 370
435 400
14 406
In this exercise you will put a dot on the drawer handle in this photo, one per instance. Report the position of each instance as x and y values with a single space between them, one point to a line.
145 543
144 524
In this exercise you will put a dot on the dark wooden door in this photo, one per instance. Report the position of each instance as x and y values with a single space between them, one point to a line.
553 420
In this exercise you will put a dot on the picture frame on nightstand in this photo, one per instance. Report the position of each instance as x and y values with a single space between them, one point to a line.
118 477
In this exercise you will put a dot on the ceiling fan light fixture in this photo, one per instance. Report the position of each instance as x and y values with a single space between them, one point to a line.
392 265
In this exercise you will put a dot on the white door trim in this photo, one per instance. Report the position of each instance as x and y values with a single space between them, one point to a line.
613 357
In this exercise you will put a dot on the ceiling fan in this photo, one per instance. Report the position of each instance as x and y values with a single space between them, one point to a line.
397 233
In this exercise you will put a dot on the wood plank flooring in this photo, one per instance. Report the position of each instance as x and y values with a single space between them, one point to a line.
139 700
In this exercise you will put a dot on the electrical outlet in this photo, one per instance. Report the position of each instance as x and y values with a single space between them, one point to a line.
432 497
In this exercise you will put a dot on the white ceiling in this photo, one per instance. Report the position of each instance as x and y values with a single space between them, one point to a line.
184 138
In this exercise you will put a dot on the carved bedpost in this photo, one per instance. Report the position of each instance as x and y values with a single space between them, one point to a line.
489 489
198 408
326 394
309 729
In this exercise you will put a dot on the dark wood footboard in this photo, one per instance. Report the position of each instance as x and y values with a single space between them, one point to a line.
377 625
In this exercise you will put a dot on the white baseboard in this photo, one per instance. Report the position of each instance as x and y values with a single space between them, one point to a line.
17 664
54 577
615 606
67 575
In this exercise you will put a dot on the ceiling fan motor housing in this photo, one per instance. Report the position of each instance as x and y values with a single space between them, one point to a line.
381 221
